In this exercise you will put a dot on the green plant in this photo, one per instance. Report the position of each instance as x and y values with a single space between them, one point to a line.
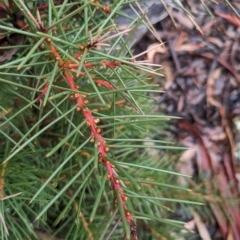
75 161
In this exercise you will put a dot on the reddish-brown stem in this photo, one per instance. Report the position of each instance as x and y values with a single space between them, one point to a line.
102 148
55 52
76 71
75 65
105 84
68 67
44 91
111 64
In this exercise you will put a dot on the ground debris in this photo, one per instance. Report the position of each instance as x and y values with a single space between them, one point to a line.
201 62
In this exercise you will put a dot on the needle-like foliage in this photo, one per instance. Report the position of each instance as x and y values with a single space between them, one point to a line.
78 155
